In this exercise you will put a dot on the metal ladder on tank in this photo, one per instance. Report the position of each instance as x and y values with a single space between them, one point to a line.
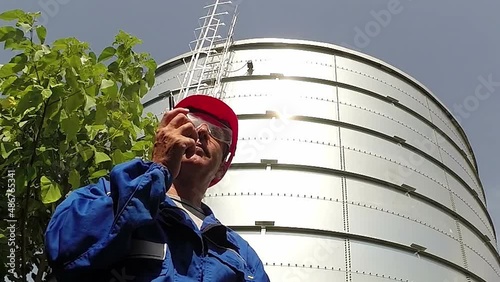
210 52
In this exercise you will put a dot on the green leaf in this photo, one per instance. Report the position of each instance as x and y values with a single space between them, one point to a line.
99 173
106 83
101 114
71 79
107 53
10 69
91 90
6 148
75 62
8 103
7 82
99 71
119 157
38 55
24 26
19 59
93 57
31 173
114 67
31 100
18 43
94 129
74 179
143 89
63 115
70 126
51 191
12 15
46 93
135 74
46 49
22 123
127 39
41 149
89 102
41 32
140 146
53 109
55 84
101 157
7 32
63 147
150 64
150 78
73 102
86 153
61 44
131 91
109 89
137 130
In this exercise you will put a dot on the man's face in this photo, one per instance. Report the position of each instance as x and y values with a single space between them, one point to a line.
208 158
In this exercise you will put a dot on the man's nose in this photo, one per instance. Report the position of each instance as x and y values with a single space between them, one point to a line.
203 132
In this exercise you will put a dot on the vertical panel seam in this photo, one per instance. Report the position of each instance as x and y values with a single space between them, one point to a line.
347 250
429 108
457 224
459 231
462 247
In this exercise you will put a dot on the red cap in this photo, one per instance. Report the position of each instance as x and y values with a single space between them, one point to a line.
219 110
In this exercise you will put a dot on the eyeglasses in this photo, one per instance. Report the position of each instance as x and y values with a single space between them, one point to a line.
217 130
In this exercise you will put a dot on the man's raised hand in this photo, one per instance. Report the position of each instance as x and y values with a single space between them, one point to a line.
176 136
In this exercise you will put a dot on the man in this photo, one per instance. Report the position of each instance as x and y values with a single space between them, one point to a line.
147 223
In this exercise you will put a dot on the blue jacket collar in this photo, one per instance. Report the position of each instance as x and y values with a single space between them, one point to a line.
212 228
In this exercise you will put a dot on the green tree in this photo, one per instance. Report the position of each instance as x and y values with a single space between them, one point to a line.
67 116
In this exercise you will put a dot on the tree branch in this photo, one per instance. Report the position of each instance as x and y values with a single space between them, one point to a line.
24 212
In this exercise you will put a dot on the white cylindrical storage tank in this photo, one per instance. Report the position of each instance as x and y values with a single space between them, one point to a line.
347 169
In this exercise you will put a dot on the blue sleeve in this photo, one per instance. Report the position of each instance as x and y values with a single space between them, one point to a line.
93 225
257 266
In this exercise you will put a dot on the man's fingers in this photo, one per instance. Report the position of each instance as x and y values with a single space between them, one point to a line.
178 121
180 146
190 147
170 115
188 130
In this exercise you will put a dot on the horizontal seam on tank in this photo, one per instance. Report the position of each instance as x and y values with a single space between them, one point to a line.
362 90
426 199
357 237
384 136
402 91
419 133
385 116
369 206
378 96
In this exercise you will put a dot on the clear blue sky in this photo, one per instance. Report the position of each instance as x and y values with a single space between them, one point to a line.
447 45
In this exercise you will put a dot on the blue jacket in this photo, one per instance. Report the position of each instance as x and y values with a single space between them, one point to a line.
126 229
